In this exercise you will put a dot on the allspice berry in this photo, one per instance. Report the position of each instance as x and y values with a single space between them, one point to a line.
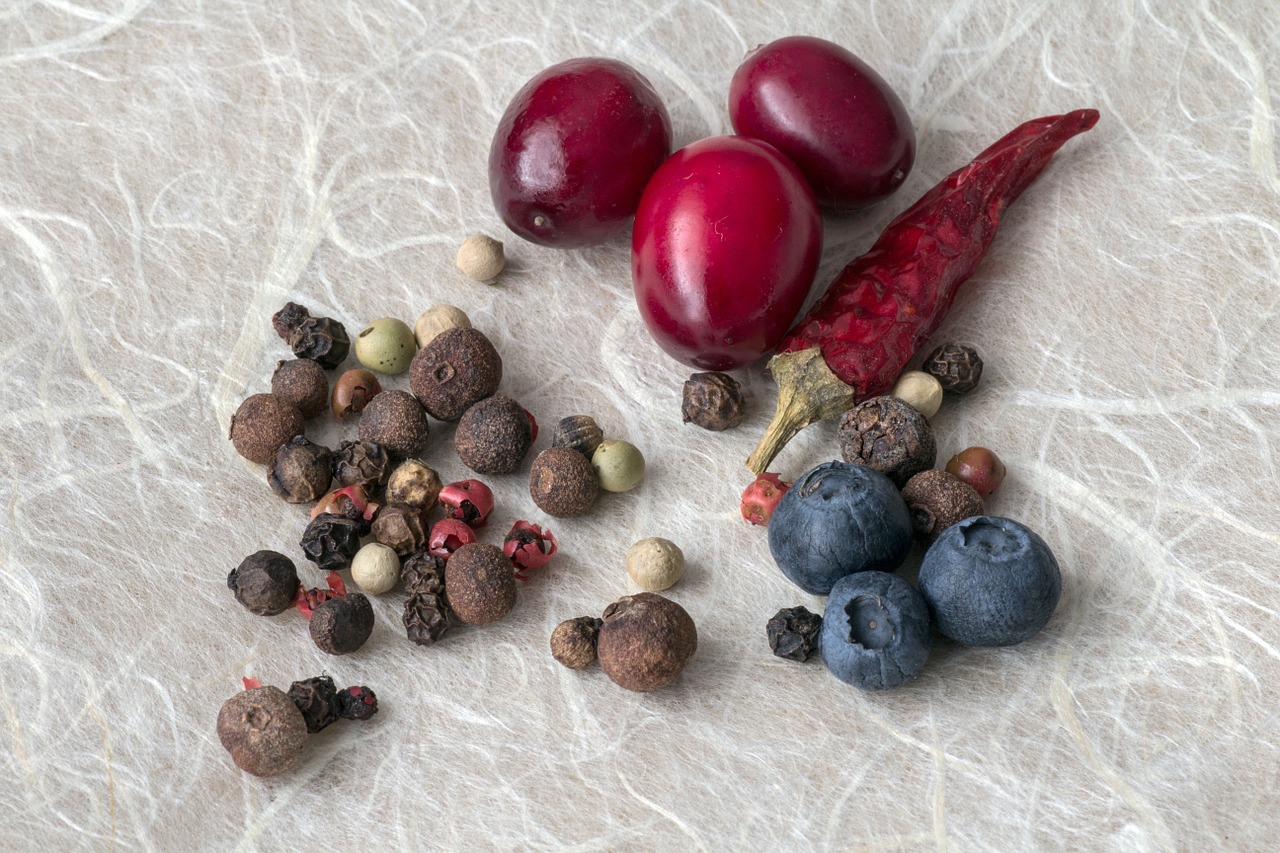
563 483
396 420
480 258
937 500
414 483
437 319
493 435
887 434
263 730
479 583
402 528
645 641
453 372
261 425
713 401
303 383
301 471
573 642
339 626
265 582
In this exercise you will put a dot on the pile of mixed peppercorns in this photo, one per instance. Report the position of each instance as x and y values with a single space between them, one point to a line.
844 527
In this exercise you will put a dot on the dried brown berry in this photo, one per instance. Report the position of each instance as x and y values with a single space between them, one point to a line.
956 366
353 391
263 730
713 401
793 633
402 528
288 318
887 434
578 432
645 641
359 463
317 700
426 618
396 420
938 500
301 471
261 424
330 541
266 583
493 435
302 383
339 626
573 642
456 370
479 584
563 483
321 339
414 483
423 574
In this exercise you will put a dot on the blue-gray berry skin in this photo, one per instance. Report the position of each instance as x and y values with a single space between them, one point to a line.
836 520
990 581
875 631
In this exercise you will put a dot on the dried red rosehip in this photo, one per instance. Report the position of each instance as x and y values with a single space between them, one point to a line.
760 499
529 547
979 467
448 535
469 501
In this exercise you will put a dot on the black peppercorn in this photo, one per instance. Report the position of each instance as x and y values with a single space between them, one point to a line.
288 318
359 463
573 642
493 435
321 339
303 383
317 699
937 500
426 618
793 633
456 370
261 424
423 574
713 401
578 432
301 471
266 583
888 435
330 541
957 367
563 483
402 528
339 626
357 703
397 421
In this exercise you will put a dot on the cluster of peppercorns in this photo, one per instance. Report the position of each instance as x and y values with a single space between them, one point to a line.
845 526
642 642
567 478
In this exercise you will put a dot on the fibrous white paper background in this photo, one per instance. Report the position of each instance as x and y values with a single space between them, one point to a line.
173 172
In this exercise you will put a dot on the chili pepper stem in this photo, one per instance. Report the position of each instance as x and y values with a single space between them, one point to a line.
808 392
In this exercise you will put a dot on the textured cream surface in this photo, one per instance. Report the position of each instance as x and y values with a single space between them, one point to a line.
172 172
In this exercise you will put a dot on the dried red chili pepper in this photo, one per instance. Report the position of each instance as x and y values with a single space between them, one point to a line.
856 340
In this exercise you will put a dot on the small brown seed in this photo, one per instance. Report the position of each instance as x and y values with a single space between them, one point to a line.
459 368
263 730
713 401
301 471
397 421
573 642
303 383
353 391
938 500
645 641
493 435
888 435
479 583
563 483
261 425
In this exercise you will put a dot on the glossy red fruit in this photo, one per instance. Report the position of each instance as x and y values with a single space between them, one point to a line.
979 467
574 150
724 250
831 113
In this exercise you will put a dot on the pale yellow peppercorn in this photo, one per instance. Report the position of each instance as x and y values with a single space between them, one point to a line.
375 568
920 391
437 319
618 464
655 563
480 257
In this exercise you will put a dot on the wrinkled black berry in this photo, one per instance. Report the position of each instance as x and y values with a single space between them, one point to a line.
339 626
357 703
423 574
426 618
266 583
331 541
317 699
957 367
361 463
713 401
793 633
320 339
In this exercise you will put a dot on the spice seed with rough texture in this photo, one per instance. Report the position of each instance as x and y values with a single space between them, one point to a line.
563 483
265 582
396 420
301 471
937 500
887 435
957 366
573 642
261 424
645 641
578 432
493 435
321 338
479 584
339 626
263 730
303 383
414 483
713 401
455 371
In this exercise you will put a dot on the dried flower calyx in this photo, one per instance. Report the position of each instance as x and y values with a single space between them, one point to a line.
793 633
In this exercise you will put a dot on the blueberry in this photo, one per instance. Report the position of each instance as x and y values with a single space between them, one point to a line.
836 520
990 582
875 631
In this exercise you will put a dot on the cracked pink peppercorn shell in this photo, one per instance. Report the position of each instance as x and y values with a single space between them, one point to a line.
760 499
448 535
529 547
469 501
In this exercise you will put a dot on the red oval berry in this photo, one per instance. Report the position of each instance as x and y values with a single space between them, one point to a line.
979 467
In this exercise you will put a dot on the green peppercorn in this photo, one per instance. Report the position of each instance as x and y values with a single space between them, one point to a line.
386 345
619 465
